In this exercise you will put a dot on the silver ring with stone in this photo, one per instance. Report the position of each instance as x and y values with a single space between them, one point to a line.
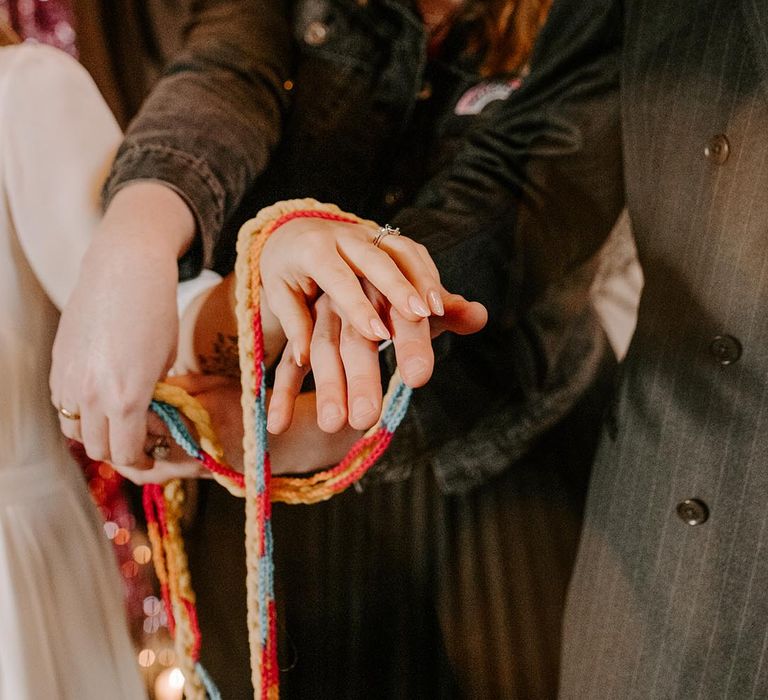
160 448
383 232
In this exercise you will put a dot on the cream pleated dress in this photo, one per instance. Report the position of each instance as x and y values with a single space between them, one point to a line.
63 634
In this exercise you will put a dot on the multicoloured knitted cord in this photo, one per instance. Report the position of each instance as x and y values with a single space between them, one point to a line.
164 504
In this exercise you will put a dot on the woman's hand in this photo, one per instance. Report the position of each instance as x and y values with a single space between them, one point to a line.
118 331
346 366
303 448
176 465
307 255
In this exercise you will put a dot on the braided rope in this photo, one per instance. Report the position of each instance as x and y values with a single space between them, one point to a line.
164 505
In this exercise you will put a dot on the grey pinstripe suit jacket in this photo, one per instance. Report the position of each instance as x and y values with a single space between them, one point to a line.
662 104
670 595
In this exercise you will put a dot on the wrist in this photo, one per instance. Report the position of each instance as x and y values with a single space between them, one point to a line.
149 213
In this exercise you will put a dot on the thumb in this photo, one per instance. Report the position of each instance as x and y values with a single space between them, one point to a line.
461 316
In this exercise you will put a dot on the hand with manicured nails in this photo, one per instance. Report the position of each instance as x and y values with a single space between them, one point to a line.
305 257
304 448
346 365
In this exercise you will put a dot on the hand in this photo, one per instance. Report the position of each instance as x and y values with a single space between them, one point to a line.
177 465
306 254
346 367
303 448
118 331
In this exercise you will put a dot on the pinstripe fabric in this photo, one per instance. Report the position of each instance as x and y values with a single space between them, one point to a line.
659 608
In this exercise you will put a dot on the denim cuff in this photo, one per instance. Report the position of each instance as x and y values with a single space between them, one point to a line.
190 178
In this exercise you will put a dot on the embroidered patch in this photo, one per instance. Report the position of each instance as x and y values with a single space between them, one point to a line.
475 100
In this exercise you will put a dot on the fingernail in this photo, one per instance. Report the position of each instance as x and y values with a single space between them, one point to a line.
436 303
329 413
297 357
379 329
414 368
418 306
362 408
271 420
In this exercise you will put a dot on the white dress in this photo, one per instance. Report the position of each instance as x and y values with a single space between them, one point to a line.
62 623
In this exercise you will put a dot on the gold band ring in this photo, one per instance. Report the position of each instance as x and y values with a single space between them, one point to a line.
69 415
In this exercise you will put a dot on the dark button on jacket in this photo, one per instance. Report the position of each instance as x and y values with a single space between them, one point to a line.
693 511
725 349
718 149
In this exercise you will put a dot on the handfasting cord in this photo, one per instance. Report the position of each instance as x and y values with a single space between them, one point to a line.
163 504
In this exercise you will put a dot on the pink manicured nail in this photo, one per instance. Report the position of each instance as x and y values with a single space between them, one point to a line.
418 306
436 303
379 329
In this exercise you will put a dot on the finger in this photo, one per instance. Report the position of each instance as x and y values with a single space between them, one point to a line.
127 436
434 295
461 317
413 349
163 471
70 427
291 309
339 281
414 261
62 394
95 433
140 477
385 273
288 379
363 377
328 369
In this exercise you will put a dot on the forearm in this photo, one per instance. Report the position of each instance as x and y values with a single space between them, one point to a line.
215 335
150 214
210 124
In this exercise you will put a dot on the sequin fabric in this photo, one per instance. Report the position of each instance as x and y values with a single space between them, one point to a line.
47 21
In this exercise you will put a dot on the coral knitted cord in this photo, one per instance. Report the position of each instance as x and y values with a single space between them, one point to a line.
164 504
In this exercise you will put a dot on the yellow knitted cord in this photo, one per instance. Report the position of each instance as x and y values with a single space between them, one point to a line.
170 557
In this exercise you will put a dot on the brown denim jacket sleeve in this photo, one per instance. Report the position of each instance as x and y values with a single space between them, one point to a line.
210 124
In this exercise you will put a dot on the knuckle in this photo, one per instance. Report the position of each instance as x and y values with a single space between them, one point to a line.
348 332
363 383
89 392
414 346
330 389
324 336
126 403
